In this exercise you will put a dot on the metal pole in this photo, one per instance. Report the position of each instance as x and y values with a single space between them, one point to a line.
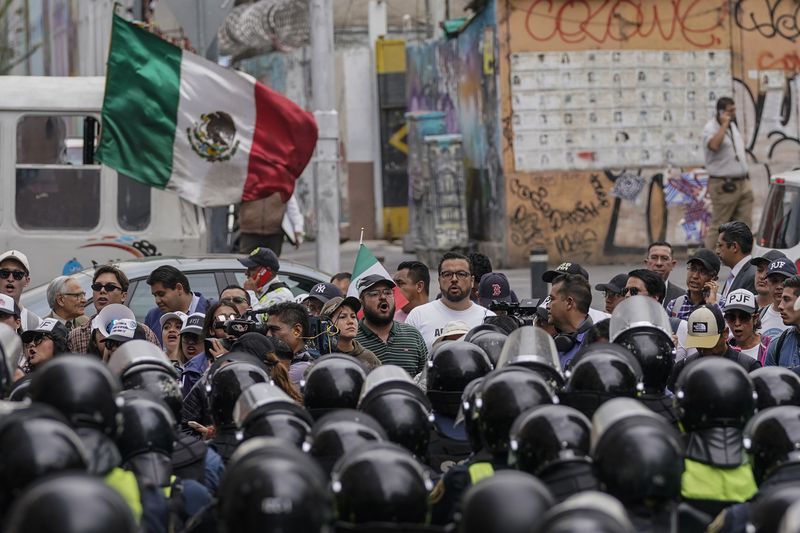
538 263
326 158
377 27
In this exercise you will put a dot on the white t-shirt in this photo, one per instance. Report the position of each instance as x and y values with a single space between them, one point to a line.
431 318
772 324
752 352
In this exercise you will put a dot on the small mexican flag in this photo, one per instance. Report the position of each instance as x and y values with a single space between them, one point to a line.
174 120
367 264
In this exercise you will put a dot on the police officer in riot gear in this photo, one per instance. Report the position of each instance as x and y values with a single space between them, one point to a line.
264 410
142 366
85 392
504 394
775 385
269 486
339 433
70 503
715 398
490 340
772 440
641 325
467 414
227 384
587 512
380 482
400 407
332 382
552 442
452 366
35 441
508 502
599 376
533 348
639 460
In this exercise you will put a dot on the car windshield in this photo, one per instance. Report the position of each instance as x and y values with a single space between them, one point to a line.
780 223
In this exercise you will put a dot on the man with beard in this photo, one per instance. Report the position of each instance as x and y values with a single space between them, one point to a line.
394 343
455 283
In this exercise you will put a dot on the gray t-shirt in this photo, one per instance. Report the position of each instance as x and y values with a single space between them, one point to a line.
723 162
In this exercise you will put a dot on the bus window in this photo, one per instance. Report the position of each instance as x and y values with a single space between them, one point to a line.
56 189
133 204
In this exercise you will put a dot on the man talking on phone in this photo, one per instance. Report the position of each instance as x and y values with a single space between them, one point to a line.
729 184
701 285
262 278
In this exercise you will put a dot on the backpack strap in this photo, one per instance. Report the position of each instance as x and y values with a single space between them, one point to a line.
779 344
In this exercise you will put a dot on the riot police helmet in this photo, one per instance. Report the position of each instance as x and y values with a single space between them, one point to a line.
599 376
268 486
772 439
380 482
770 506
400 406
714 392
332 382
468 415
507 502
587 512
625 432
70 503
83 389
451 367
35 441
775 385
265 410
549 435
491 342
480 329
533 348
505 394
227 384
641 325
142 366
138 352
148 437
340 432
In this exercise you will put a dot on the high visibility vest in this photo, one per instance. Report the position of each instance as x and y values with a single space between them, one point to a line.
124 482
706 482
479 471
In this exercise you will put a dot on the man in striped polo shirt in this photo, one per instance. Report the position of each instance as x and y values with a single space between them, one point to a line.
394 343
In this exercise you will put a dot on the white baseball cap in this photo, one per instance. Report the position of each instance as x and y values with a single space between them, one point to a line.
741 299
8 306
17 256
176 315
122 330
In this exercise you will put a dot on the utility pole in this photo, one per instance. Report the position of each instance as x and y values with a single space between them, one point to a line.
326 159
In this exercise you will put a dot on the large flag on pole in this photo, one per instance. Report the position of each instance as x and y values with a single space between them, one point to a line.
367 264
174 120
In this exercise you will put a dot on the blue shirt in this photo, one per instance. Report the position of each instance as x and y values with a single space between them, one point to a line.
565 357
788 357
152 319
193 370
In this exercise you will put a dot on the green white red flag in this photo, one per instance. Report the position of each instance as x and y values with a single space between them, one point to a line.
367 264
177 121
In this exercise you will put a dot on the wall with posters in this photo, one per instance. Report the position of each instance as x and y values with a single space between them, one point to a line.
602 106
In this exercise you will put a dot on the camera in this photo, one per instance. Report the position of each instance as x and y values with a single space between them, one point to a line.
524 311
323 334
239 326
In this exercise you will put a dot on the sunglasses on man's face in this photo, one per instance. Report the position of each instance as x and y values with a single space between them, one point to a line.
18 274
238 300
109 287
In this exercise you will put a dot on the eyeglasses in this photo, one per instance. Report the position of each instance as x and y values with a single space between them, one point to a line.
386 293
633 291
733 316
612 294
111 344
18 274
109 287
38 339
238 300
460 274
78 295
191 338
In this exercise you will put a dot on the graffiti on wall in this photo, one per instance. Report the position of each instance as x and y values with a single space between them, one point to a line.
769 18
457 77
591 22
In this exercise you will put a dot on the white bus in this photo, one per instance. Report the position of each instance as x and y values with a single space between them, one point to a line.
62 208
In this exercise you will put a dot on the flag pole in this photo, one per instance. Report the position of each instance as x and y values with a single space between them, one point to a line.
361 240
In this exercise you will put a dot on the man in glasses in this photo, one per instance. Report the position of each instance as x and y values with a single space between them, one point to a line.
236 297
701 284
109 286
14 277
393 342
455 283
613 291
67 301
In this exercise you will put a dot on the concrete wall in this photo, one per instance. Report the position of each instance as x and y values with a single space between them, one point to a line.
605 199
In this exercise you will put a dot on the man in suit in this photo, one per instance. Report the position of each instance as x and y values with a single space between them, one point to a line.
734 244
659 260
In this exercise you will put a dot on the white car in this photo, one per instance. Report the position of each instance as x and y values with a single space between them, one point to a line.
780 221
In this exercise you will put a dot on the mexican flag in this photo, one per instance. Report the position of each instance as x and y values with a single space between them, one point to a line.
174 120
367 264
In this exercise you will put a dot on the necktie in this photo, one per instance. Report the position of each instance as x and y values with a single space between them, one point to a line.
728 284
